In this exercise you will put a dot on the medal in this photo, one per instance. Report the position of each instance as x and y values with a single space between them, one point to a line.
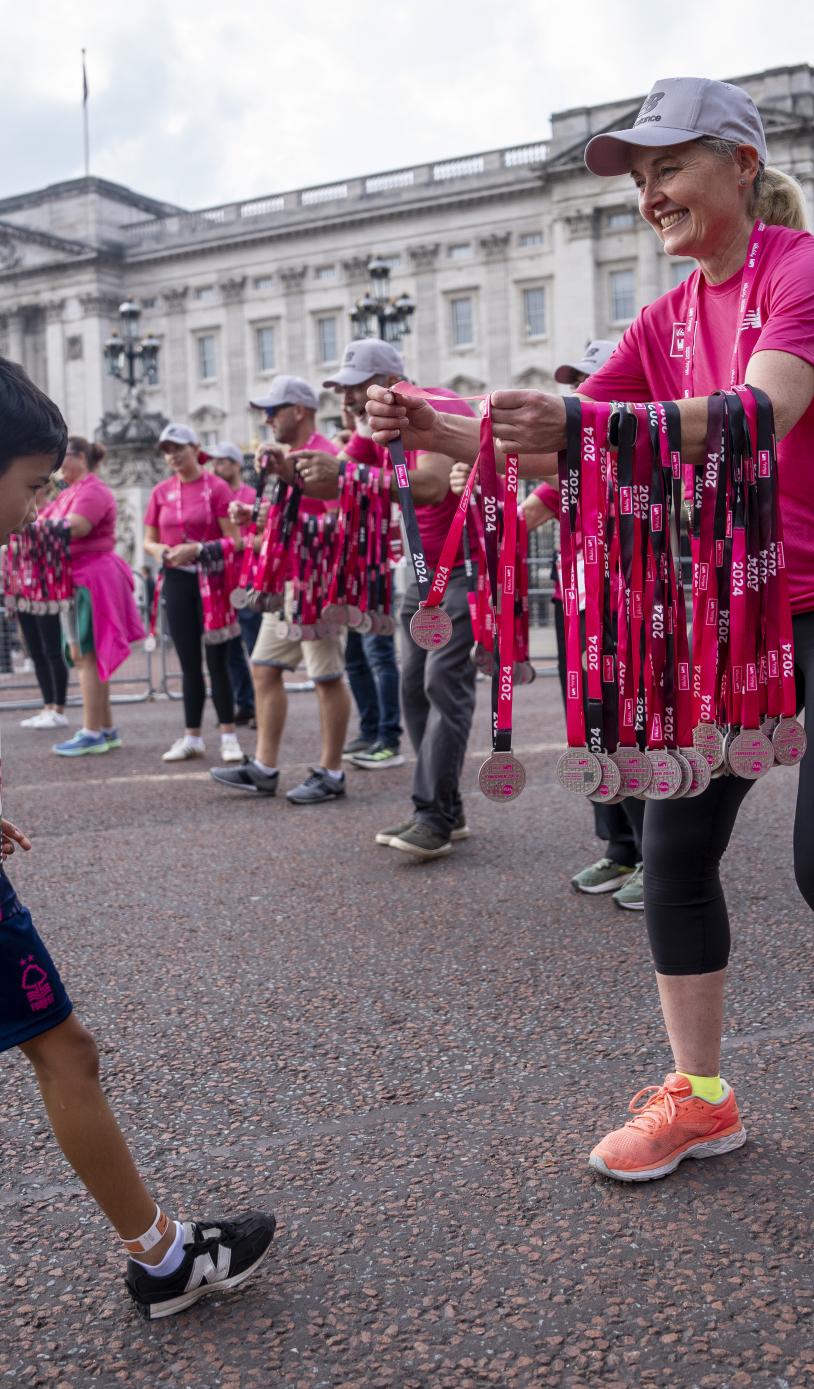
579 771
610 783
700 771
789 742
430 628
666 775
501 777
750 754
708 741
634 769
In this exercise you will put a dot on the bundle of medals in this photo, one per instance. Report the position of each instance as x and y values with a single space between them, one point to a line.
644 717
217 569
326 571
37 575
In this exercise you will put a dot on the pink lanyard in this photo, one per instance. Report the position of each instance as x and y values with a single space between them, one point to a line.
745 297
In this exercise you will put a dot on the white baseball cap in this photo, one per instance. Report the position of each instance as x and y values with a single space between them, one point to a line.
596 354
366 357
178 434
676 110
287 390
230 451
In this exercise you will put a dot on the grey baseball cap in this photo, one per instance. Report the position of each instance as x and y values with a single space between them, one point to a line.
230 451
595 356
178 434
287 390
676 110
366 357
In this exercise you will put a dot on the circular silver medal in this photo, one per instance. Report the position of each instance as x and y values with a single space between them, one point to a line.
353 616
375 620
524 673
502 777
282 631
294 631
610 785
430 628
768 725
636 771
150 642
308 631
701 774
239 598
365 625
335 612
579 771
750 754
387 624
789 742
686 774
708 740
667 775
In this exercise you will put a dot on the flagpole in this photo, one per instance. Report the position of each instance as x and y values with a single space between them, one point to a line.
85 115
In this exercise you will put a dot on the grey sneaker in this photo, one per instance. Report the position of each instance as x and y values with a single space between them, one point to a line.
421 841
603 876
246 777
631 896
386 837
318 786
359 744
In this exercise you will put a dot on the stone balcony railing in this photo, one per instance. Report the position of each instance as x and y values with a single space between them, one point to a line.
365 191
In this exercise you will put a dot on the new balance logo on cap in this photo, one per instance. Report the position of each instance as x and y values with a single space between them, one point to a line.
649 105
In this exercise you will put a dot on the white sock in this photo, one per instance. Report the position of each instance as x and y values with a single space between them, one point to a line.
90 732
335 776
225 736
261 767
171 1260
192 741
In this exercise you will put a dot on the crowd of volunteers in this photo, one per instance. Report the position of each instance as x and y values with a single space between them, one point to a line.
216 531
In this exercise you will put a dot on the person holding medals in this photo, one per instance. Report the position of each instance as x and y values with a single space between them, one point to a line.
42 634
697 157
184 512
104 620
169 1265
227 463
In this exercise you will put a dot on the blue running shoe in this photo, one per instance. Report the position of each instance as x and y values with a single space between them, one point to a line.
114 737
81 743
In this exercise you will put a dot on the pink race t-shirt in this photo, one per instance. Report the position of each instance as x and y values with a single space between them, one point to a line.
91 499
183 511
648 364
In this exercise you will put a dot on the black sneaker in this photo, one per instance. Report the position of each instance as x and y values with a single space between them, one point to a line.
218 1254
243 717
318 786
246 777
359 744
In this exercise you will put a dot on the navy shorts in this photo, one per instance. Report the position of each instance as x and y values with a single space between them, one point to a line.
32 995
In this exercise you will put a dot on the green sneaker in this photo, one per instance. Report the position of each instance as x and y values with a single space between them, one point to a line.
631 896
604 876
421 841
386 837
377 757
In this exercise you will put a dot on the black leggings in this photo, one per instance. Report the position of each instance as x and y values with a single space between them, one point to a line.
684 842
43 637
182 598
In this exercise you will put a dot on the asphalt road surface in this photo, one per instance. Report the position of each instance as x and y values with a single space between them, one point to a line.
409 1064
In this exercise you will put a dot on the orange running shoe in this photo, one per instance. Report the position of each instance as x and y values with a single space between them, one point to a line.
670 1123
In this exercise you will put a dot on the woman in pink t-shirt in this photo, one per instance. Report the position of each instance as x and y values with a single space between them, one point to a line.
189 508
104 619
697 157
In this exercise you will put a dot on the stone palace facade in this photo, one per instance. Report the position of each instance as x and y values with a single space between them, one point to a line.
514 258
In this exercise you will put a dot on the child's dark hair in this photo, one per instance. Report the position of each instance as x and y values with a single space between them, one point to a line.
29 422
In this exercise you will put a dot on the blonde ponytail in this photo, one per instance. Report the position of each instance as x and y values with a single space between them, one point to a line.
780 201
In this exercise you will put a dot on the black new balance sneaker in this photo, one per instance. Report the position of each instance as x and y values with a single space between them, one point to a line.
246 777
218 1254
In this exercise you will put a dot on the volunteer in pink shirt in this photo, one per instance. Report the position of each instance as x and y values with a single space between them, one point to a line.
186 510
105 619
697 156
227 463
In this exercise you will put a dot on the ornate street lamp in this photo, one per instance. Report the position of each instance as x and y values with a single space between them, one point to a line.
376 315
124 350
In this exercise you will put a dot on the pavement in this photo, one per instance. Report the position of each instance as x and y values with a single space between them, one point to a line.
409 1063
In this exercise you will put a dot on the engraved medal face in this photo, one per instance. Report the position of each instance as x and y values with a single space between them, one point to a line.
768 726
430 628
365 625
502 777
579 771
701 774
354 616
335 612
789 742
750 754
635 770
308 631
239 598
150 642
667 775
708 739
611 783
686 774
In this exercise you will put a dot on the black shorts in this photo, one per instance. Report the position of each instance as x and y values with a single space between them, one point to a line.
32 995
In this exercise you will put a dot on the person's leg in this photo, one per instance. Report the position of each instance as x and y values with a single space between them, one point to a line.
240 675
271 707
363 687
31 627
51 633
95 692
334 713
185 624
380 653
633 812
414 701
449 685
804 813
217 663
612 824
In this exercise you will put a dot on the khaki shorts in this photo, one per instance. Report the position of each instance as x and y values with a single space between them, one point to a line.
324 658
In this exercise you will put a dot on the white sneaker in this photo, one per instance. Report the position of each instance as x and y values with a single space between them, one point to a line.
57 720
38 720
230 749
183 749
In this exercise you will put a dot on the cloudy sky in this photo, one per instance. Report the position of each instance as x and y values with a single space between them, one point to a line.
200 103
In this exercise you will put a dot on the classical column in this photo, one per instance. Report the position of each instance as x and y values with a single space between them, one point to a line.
55 352
176 363
293 282
498 309
427 329
99 312
14 335
236 373
577 312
